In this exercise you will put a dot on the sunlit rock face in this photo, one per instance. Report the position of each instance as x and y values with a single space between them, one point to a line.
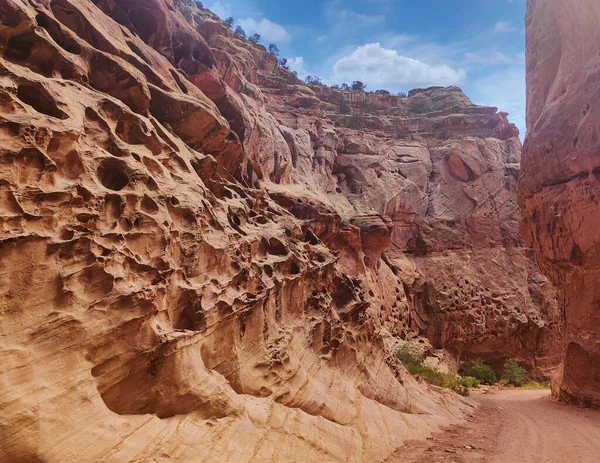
155 301
559 187
202 259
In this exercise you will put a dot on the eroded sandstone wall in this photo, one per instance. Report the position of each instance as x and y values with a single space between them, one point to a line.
155 302
438 171
202 259
559 186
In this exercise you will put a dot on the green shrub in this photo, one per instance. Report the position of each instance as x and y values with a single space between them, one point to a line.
535 385
483 372
408 354
343 106
433 376
514 374
464 391
412 358
468 381
360 223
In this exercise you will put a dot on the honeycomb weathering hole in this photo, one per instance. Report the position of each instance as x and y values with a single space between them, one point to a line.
112 173
459 169
40 100
277 248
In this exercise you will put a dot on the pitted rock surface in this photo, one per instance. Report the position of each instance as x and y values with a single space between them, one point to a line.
201 259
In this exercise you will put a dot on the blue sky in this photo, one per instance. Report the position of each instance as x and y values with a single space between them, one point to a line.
478 45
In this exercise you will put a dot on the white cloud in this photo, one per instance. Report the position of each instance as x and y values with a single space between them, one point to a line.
502 27
380 67
297 64
223 10
268 30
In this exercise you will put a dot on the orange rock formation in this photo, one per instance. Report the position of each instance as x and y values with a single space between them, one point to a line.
201 259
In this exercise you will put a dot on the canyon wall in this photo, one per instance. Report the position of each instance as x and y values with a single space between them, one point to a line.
437 171
204 259
559 189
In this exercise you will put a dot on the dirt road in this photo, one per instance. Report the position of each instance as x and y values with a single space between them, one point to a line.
514 426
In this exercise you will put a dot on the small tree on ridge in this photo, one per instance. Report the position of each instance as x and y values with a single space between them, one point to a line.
240 32
358 85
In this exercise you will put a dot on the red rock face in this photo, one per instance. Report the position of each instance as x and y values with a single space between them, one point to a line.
559 187
156 301
442 174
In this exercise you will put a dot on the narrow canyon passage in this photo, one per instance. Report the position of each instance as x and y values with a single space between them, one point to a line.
511 427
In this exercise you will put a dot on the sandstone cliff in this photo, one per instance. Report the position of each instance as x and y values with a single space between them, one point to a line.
439 172
155 303
559 187
201 259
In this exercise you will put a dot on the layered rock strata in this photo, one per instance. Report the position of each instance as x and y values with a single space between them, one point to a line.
156 302
202 258
439 171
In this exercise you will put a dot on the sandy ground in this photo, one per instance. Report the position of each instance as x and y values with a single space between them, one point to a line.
514 426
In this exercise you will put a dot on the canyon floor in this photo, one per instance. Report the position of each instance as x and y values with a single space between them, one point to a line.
514 426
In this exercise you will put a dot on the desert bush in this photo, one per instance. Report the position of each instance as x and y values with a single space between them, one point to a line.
514 374
438 378
360 223
343 106
462 390
409 354
483 372
432 375
413 358
468 381
313 80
